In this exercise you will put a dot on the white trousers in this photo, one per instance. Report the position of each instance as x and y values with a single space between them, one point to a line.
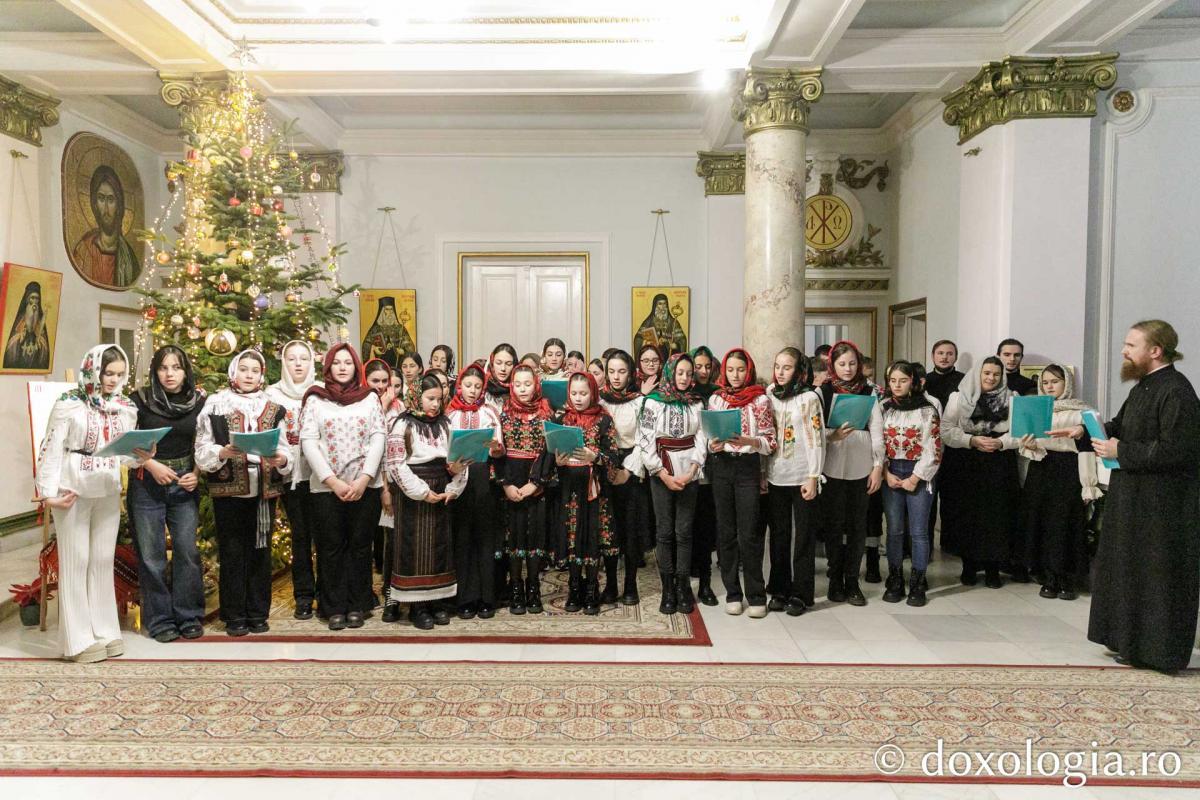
87 597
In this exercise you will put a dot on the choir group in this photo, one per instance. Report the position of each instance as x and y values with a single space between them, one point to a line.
363 474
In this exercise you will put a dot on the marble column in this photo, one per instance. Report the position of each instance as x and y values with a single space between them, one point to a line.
774 111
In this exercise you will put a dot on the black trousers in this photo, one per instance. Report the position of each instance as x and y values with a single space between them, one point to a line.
792 560
245 579
673 512
473 522
631 518
704 532
345 532
735 484
306 569
847 509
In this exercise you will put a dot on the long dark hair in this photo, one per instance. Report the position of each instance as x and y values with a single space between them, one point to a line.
916 393
445 348
552 341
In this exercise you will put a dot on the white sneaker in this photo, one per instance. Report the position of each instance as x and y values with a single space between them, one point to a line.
734 608
758 612
96 652
115 648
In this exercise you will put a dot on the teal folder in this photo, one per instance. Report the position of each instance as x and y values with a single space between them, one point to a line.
852 408
127 442
470 444
562 438
262 444
1031 416
1095 429
556 392
721 425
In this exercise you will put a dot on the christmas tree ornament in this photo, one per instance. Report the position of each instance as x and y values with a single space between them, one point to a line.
262 301
291 297
256 209
193 333
193 269
247 256
314 178
253 290
246 151
314 334
294 156
171 187
193 155
356 293
234 202
277 189
220 341
172 175
277 205
285 231
273 163
197 205
196 320
223 285
162 257
176 320
151 313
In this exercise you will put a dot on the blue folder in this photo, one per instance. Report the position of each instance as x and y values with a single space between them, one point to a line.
852 408
721 425
1031 416
562 438
262 444
470 444
126 443
1095 429
555 391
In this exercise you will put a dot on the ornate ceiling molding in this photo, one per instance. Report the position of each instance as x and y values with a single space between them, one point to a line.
723 172
24 111
1029 87
777 98
195 95
327 166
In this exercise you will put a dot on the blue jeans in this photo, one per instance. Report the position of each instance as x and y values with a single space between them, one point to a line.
153 509
916 504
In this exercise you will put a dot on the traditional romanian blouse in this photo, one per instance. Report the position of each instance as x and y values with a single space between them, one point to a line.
914 435
346 441
671 421
250 407
291 422
758 421
854 457
410 443
800 434
625 430
75 430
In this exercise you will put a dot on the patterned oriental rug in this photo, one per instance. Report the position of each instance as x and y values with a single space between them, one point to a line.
566 720
641 624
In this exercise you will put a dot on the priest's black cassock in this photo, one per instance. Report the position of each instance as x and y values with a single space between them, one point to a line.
1144 599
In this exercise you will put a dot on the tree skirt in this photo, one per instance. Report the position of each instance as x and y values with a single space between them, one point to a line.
641 624
572 720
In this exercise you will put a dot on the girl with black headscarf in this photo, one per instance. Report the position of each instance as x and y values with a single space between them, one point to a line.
163 492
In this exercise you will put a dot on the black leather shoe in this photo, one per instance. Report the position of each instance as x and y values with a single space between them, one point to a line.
1049 591
574 595
837 590
591 598
795 607
391 612
1019 573
992 580
893 591
192 630
441 616
609 596
166 635
237 629
777 603
516 602
467 611
486 611
337 622
354 619
685 603
303 610
1067 593
533 595
969 577
260 626
667 604
854 595
705 593
422 619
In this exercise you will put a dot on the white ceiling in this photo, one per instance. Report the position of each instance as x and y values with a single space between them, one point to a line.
654 76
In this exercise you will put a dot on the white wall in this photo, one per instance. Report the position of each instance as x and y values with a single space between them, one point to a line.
39 243
925 169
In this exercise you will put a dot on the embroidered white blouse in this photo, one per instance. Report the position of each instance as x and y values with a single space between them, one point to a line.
625 432
346 441
420 449
800 437
78 426
1089 479
854 457
914 435
757 422
291 422
660 420
250 406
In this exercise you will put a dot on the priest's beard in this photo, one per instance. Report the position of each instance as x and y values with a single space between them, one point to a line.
1133 370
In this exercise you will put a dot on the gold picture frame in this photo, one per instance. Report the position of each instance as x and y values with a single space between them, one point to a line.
660 315
30 301
387 324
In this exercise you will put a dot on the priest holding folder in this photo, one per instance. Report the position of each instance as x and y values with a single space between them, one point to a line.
1147 587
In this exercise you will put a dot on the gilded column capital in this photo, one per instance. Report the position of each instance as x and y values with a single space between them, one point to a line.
24 111
724 172
194 94
327 167
1029 87
777 98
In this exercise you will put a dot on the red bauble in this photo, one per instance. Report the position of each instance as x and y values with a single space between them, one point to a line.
151 313
278 205
256 210
234 202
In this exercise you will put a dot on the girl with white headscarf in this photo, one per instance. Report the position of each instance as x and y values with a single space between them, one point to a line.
244 488
1062 479
299 373
84 494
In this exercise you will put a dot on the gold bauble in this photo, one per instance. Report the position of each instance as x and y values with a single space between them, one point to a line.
248 256
162 257
220 341
273 163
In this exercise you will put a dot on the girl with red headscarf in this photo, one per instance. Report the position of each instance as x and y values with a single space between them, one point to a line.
735 468
523 473
584 526
854 471
342 436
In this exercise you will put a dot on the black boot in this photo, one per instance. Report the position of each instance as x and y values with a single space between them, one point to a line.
1050 588
684 601
991 577
916 588
667 604
574 591
391 612
533 594
894 589
970 574
629 597
837 590
854 595
873 575
591 597
609 597
705 593
516 602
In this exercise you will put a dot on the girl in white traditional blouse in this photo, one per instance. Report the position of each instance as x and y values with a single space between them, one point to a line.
671 446
1061 480
631 509
735 469
84 495
342 433
912 441
793 482
854 471
474 516
298 374
417 445
378 376
243 488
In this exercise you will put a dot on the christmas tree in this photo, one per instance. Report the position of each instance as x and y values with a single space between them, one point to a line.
235 277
